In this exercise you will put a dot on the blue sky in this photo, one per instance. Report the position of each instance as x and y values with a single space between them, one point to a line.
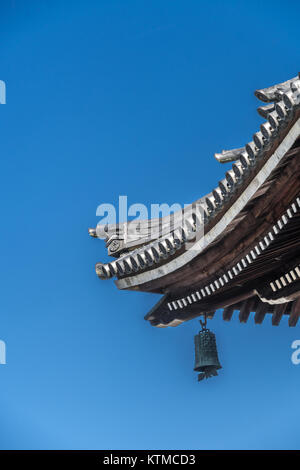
108 98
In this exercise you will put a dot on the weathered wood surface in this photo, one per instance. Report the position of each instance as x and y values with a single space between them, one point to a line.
261 312
278 260
278 313
158 275
230 247
295 313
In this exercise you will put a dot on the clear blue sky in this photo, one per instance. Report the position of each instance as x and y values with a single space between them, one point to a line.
131 98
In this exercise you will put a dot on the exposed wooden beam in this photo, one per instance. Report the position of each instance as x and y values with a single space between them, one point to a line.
261 312
228 312
278 312
210 315
246 308
295 313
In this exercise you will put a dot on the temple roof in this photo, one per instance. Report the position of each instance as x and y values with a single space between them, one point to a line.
177 254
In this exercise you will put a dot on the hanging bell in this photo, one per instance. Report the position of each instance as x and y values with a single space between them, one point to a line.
206 354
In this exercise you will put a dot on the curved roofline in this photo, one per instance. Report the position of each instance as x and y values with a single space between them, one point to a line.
156 256
233 211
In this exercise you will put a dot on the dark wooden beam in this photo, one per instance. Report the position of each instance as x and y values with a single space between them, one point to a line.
194 310
228 312
295 313
261 311
210 315
279 310
246 308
